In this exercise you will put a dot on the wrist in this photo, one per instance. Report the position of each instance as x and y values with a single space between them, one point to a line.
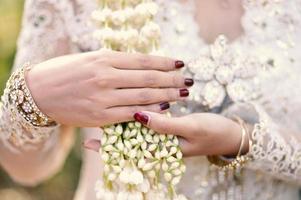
40 90
237 137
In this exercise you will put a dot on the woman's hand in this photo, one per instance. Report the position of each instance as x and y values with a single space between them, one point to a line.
104 87
200 134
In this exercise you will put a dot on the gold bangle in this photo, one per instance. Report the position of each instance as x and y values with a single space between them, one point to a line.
239 160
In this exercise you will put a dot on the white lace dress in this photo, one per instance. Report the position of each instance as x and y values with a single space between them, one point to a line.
57 27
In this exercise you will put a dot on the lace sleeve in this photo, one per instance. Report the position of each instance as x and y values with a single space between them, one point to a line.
245 85
43 36
276 148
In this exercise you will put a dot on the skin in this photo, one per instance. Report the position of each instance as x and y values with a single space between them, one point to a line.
198 132
94 89
90 90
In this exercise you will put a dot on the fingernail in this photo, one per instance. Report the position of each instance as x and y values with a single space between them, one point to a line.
164 106
189 82
141 117
179 64
184 93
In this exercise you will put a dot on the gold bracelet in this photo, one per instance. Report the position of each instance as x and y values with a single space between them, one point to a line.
239 160
20 96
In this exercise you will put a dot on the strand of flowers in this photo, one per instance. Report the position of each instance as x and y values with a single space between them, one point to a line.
136 159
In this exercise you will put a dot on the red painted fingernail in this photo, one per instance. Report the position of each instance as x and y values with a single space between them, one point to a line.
189 82
179 64
141 117
184 93
164 106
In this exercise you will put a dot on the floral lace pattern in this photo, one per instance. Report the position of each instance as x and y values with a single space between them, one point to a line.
222 72
61 27
272 152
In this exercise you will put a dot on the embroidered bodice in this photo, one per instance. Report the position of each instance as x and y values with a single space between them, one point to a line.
255 77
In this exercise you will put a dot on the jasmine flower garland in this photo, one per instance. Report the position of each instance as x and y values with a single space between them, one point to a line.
139 164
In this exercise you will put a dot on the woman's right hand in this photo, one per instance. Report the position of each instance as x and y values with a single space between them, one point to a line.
103 87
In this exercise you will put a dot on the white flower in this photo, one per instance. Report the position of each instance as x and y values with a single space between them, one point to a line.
130 175
223 71
144 186
103 193
151 30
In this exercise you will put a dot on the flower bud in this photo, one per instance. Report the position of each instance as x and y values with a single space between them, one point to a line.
144 146
176 172
141 163
152 147
171 159
134 141
179 155
119 129
112 139
151 132
140 138
147 154
167 176
156 139
127 144
151 173
148 166
163 152
109 148
176 180
138 124
109 131
148 138
173 150
133 153
105 157
133 133
164 166
112 176
144 130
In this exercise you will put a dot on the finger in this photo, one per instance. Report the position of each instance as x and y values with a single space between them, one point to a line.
126 113
140 61
186 147
162 123
146 96
151 79
92 144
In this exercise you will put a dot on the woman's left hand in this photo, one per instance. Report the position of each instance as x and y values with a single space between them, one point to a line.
199 134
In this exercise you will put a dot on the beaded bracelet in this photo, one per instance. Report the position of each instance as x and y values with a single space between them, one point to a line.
20 96
231 164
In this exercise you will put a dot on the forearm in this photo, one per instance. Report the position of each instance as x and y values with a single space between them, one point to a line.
30 150
34 166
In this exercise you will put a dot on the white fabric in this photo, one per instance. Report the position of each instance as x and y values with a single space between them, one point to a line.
56 27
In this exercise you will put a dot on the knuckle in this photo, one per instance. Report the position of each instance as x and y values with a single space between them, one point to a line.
144 97
104 80
133 110
166 63
144 61
164 128
94 115
103 61
150 79
177 80
171 94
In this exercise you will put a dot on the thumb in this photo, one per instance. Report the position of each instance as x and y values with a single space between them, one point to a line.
161 123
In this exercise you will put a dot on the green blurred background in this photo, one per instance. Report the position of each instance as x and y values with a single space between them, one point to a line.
63 185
